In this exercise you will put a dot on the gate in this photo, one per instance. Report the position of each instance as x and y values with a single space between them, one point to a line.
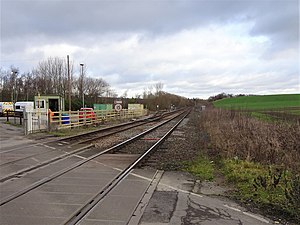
35 122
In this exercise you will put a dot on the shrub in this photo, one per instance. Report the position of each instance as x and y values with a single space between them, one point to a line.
236 134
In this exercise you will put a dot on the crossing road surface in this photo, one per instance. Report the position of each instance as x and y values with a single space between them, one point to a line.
145 197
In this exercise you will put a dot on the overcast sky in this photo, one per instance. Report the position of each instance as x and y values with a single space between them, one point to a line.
196 48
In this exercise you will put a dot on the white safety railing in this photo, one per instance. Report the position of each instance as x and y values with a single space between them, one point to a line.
35 122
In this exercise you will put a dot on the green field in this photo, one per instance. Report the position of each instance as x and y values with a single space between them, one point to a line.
260 102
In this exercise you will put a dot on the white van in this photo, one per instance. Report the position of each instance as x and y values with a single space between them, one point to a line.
20 106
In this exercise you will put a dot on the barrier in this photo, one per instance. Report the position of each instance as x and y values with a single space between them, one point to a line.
37 121
70 119
14 114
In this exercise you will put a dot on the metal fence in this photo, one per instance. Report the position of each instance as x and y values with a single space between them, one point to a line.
35 122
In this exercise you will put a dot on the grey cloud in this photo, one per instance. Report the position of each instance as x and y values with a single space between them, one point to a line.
28 23
66 19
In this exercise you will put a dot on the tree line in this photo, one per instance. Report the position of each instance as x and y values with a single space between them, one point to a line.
51 77
223 95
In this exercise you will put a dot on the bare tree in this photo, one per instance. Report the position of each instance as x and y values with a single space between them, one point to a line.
52 76
158 88
125 94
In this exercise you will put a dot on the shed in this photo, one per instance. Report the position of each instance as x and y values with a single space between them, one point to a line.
53 102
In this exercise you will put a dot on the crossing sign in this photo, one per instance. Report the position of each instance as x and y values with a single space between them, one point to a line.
118 107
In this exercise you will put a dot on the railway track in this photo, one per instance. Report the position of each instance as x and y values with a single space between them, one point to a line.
143 143
69 146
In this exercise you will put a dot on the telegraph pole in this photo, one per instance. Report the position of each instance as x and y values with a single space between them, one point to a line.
69 82
81 64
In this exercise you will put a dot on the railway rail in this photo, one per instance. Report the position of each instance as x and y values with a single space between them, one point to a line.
80 143
80 213
14 195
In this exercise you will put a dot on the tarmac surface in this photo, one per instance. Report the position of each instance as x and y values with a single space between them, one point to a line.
173 197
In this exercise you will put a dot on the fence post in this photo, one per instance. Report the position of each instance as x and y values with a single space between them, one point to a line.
7 118
49 119
21 115
27 122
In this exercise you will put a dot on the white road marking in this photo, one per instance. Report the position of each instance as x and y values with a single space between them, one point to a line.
81 157
149 179
256 217
235 209
34 159
180 190
47 146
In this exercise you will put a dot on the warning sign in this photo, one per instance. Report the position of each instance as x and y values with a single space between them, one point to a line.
118 107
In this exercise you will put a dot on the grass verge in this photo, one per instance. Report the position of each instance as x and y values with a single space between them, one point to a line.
272 189
201 167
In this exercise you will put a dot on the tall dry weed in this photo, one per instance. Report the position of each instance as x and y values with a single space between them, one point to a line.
236 134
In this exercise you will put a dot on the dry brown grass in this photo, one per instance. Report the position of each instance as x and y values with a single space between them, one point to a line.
236 134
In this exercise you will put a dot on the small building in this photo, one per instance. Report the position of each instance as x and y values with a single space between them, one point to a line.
45 102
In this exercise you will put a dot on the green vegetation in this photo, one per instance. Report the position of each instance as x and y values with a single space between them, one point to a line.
260 102
272 187
269 108
294 112
259 159
201 167
263 116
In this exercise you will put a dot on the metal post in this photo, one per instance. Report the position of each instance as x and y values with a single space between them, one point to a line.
69 82
81 64
14 95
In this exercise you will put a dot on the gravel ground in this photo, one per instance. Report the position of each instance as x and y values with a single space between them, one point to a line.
181 146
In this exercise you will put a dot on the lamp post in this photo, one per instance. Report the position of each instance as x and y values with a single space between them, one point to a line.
81 64
14 72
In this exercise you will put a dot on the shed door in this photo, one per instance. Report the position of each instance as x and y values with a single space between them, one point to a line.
53 105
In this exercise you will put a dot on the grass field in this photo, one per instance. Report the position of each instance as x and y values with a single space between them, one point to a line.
271 108
260 102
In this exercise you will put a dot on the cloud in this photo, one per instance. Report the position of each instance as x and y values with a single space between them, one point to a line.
196 48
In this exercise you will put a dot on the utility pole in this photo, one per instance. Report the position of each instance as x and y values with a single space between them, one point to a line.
14 95
81 64
69 82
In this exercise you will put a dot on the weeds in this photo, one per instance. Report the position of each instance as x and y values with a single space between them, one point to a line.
236 134
260 158
268 187
202 168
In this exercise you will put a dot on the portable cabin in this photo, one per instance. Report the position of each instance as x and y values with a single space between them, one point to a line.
21 106
45 102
